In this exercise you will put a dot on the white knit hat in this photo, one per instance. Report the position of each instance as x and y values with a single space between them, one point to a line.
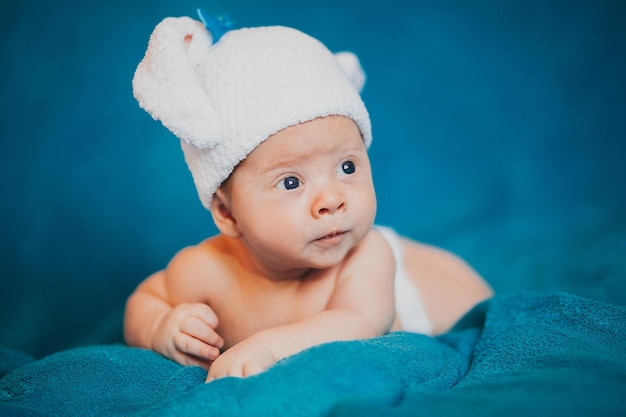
223 99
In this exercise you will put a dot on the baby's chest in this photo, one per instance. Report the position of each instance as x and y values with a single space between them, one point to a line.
244 315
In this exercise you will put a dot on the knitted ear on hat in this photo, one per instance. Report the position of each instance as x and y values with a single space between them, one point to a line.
351 66
167 86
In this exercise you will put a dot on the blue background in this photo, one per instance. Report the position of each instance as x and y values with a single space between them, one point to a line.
499 133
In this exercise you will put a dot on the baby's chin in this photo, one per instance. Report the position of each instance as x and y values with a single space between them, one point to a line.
329 258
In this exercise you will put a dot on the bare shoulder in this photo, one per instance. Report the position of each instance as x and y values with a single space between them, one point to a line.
370 265
366 283
449 286
195 257
376 242
196 268
373 252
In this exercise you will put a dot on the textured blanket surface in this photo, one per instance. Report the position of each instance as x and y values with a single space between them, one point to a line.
514 355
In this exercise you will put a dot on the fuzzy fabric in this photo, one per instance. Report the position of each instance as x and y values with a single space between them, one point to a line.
516 355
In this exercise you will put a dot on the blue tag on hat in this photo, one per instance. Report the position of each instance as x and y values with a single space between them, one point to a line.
216 24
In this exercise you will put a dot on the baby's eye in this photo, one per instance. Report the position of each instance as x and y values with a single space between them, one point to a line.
288 183
346 168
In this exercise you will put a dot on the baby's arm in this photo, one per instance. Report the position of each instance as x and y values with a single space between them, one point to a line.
362 306
183 332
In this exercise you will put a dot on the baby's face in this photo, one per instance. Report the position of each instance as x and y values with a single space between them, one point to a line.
305 196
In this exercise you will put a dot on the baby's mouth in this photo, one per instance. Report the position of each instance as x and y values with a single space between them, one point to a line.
331 236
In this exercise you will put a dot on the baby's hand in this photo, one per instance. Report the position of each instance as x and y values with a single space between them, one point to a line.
244 359
187 335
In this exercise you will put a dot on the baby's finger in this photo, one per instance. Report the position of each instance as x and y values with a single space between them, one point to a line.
199 329
188 360
214 374
250 369
238 370
191 346
204 313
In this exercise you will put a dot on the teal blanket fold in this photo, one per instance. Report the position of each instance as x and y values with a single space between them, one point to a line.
515 355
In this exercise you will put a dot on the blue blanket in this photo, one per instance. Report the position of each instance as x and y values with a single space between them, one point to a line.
516 355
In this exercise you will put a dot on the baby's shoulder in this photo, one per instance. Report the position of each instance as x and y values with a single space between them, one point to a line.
375 243
192 275
374 249
208 255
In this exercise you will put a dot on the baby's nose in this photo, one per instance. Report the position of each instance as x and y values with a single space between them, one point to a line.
329 201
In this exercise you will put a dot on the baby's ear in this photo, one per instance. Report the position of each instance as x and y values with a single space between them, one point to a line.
223 216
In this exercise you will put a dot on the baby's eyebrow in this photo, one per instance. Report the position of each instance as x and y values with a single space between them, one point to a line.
295 158
281 163
289 158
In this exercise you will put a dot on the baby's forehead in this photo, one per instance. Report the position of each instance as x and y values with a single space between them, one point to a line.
325 136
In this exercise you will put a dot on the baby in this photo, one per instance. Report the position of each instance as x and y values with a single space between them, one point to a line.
275 134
